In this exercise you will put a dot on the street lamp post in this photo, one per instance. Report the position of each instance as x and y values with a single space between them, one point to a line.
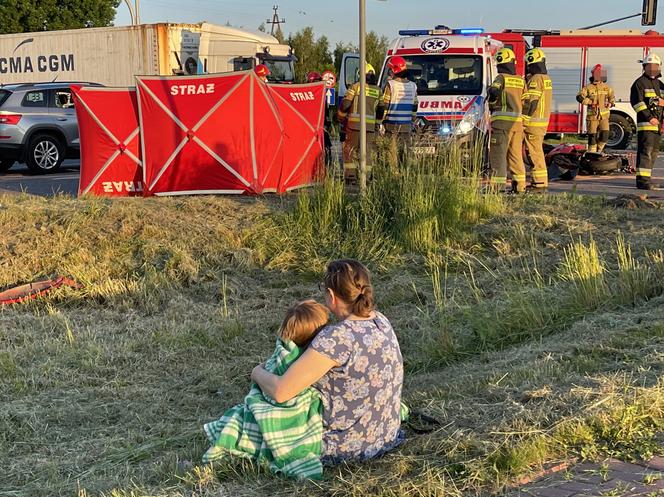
363 100
133 12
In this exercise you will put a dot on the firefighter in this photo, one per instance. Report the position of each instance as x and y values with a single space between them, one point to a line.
349 115
505 96
646 99
400 103
537 101
262 71
316 77
598 97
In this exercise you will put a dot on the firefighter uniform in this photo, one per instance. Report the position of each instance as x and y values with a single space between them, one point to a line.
349 110
505 104
598 97
645 96
537 101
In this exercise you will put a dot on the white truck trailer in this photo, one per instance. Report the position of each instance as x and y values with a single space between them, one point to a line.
112 56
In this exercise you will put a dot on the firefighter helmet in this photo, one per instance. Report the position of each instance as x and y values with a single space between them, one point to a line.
534 55
505 56
314 77
652 58
397 64
262 71
369 69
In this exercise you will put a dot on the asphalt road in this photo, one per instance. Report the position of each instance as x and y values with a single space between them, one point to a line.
65 181
19 179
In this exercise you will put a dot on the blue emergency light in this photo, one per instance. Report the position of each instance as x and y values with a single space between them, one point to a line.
441 30
469 31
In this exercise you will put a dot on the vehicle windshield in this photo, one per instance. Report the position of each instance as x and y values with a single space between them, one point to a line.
4 95
444 74
280 69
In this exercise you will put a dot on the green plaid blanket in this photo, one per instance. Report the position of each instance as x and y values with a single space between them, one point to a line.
288 436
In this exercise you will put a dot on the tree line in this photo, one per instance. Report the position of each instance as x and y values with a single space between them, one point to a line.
314 53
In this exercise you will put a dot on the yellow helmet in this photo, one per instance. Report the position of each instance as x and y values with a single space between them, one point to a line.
369 69
505 55
534 55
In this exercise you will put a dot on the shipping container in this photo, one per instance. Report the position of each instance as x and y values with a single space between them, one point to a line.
113 56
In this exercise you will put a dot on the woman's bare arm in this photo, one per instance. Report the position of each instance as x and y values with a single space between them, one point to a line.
303 373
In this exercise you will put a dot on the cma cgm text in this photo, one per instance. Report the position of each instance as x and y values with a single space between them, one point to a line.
41 63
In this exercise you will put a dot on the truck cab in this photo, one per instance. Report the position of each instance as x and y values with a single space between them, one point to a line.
208 48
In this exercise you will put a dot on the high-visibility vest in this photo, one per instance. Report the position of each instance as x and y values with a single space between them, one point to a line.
506 110
400 108
372 96
539 87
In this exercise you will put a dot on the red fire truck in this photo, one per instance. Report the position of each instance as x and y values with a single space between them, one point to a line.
571 54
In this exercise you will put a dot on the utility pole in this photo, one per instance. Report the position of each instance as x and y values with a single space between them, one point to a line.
363 100
275 22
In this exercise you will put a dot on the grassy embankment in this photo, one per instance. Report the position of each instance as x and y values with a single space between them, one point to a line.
533 328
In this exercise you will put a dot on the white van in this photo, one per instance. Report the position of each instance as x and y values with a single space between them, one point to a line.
453 69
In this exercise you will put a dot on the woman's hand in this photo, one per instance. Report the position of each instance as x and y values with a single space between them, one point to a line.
303 373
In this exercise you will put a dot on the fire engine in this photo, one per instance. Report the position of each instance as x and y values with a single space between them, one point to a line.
570 55
453 69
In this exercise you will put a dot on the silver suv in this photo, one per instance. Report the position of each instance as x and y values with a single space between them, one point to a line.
38 125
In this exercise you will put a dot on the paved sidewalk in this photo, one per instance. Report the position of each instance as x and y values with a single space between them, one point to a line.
609 479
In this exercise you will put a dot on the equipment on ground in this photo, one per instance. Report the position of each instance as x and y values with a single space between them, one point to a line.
31 291
566 160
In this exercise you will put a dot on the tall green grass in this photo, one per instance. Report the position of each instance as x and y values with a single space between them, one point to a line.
413 204
585 281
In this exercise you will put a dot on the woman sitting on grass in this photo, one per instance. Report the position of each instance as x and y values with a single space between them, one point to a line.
357 367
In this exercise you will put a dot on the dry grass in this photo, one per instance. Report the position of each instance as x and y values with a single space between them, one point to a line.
104 390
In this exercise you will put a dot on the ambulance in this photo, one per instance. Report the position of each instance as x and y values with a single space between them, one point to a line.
453 69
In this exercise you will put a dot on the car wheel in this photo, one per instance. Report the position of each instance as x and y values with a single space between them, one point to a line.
620 132
6 165
45 154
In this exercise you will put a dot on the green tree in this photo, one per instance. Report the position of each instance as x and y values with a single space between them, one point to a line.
376 50
21 16
339 50
279 35
312 54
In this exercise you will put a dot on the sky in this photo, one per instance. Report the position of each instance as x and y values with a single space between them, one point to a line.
338 20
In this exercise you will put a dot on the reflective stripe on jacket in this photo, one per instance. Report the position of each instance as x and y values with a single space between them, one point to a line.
372 95
643 89
537 101
400 99
506 109
601 96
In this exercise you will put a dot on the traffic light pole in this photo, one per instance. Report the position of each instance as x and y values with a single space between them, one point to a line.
363 100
